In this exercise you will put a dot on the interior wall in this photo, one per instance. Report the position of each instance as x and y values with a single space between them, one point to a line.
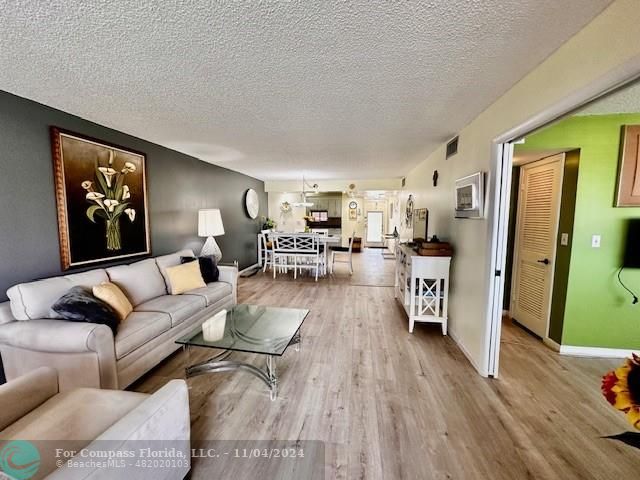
350 226
394 217
178 186
566 225
286 221
609 41
598 312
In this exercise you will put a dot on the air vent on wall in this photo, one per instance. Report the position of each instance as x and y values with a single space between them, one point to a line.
452 148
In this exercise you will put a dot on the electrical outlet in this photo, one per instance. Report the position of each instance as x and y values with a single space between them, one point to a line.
595 241
564 239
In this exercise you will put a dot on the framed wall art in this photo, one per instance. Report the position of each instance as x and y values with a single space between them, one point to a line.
628 191
101 197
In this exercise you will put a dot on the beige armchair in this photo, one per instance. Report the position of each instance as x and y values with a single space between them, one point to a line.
91 421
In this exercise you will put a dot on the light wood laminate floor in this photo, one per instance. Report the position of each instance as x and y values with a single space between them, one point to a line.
391 405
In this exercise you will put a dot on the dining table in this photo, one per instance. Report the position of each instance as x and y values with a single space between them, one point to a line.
325 240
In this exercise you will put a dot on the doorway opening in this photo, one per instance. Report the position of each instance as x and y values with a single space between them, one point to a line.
374 226
539 241
537 210
559 236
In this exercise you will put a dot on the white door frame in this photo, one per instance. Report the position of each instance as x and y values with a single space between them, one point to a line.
500 181
554 252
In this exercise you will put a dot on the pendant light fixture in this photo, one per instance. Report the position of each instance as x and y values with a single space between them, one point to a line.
303 196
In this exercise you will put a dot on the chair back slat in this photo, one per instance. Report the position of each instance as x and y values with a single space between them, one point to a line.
353 235
299 243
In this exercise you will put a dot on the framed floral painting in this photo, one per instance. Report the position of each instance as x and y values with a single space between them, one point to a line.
101 196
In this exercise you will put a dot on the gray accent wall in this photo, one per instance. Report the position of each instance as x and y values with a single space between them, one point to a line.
178 186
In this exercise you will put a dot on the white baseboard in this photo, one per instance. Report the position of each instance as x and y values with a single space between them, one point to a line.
598 352
552 344
250 267
462 348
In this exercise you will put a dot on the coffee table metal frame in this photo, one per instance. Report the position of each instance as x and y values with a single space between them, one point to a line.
219 363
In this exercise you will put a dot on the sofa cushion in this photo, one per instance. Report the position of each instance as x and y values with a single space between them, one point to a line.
138 329
33 300
73 419
140 281
171 260
213 292
178 307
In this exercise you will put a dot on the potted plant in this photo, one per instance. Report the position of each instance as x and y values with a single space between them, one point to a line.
268 223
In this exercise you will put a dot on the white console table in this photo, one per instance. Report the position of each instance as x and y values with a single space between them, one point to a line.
422 286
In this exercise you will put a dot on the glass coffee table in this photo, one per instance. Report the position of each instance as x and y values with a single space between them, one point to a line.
256 329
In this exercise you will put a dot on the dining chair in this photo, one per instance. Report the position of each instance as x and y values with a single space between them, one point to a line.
342 258
297 251
267 249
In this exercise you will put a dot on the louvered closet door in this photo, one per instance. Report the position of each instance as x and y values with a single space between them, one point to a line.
535 248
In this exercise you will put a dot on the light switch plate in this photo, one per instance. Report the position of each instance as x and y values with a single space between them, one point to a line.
564 239
595 241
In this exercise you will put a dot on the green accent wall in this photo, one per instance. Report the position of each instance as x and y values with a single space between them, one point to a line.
597 312
562 265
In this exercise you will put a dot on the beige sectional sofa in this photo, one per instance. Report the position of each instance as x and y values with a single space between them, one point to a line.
91 422
88 355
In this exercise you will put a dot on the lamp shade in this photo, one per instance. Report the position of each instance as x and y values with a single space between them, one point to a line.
210 223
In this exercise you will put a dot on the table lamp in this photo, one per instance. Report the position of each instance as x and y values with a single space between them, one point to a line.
210 225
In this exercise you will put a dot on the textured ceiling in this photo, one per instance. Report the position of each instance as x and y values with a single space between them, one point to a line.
625 100
334 89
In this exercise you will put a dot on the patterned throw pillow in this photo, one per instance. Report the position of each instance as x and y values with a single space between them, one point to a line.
79 305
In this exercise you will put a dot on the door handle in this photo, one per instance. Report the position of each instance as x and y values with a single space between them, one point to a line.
545 261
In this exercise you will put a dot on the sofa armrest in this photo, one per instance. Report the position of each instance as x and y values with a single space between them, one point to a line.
67 346
6 316
20 396
230 275
57 336
161 422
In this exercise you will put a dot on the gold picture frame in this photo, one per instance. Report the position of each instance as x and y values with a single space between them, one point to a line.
101 198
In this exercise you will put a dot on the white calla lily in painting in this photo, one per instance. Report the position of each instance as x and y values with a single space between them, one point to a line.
112 198
131 213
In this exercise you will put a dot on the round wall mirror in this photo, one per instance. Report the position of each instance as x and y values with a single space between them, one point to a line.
252 203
